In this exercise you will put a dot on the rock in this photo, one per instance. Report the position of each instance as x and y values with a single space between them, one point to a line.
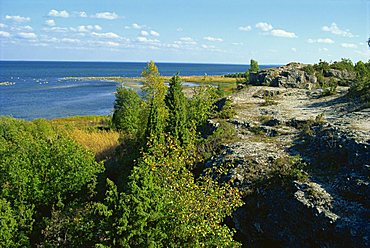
329 206
340 74
288 76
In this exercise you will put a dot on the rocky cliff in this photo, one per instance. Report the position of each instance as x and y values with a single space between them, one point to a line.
301 162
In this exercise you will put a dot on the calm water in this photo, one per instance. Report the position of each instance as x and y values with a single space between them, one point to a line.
41 92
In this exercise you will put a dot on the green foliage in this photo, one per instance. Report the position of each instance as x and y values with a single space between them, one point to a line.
8 224
329 87
40 167
127 116
344 64
201 105
360 89
164 207
227 111
176 102
253 66
309 69
156 92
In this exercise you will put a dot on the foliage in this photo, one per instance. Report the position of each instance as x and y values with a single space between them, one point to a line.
201 105
344 64
155 94
309 69
164 206
360 89
127 111
254 66
40 167
329 87
51 195
177 125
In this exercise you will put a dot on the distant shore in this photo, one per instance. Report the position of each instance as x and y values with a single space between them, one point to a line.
190 79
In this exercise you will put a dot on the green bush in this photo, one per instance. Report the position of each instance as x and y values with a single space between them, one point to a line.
127 116
40 167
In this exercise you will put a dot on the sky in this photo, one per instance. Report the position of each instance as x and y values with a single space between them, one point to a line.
194 31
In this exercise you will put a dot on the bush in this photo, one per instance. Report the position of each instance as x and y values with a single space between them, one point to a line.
127 115
40 167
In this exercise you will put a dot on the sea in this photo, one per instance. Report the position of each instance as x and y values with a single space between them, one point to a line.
35 89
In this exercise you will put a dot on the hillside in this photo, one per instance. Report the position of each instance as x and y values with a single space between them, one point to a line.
302 165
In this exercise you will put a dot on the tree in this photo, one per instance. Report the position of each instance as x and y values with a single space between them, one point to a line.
176 102
127 111
254 66
155 90
164 206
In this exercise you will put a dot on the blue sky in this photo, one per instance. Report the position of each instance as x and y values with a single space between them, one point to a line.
206 31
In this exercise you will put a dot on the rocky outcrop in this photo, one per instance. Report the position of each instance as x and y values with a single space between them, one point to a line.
340 74
288 76
319 199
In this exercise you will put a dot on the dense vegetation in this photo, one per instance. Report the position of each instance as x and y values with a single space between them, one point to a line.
152 193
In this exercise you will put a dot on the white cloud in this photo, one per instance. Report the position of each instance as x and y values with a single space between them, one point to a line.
106 15
22 28
68 40
179 29
334 29
137 26
321 40
56 29
107 43
208 47
82 14
245 28
30 36
50 23
186 39
144 33
154 33
294 49
185 42
146 40
237 43
2 25
348 45
209 38
264 26
56 13
283 33
17 18
109 35
86 29
4 34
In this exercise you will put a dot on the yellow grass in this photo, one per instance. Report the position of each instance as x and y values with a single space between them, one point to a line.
86 130
101 143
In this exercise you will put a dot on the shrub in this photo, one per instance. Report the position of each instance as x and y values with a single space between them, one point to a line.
40 167
127 111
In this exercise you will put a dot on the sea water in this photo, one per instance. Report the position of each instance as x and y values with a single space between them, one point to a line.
31 90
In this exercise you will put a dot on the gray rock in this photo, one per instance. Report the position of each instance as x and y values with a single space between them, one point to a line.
288 76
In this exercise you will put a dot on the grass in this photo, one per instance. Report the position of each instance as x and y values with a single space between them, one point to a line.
92 132
101 143
82 122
